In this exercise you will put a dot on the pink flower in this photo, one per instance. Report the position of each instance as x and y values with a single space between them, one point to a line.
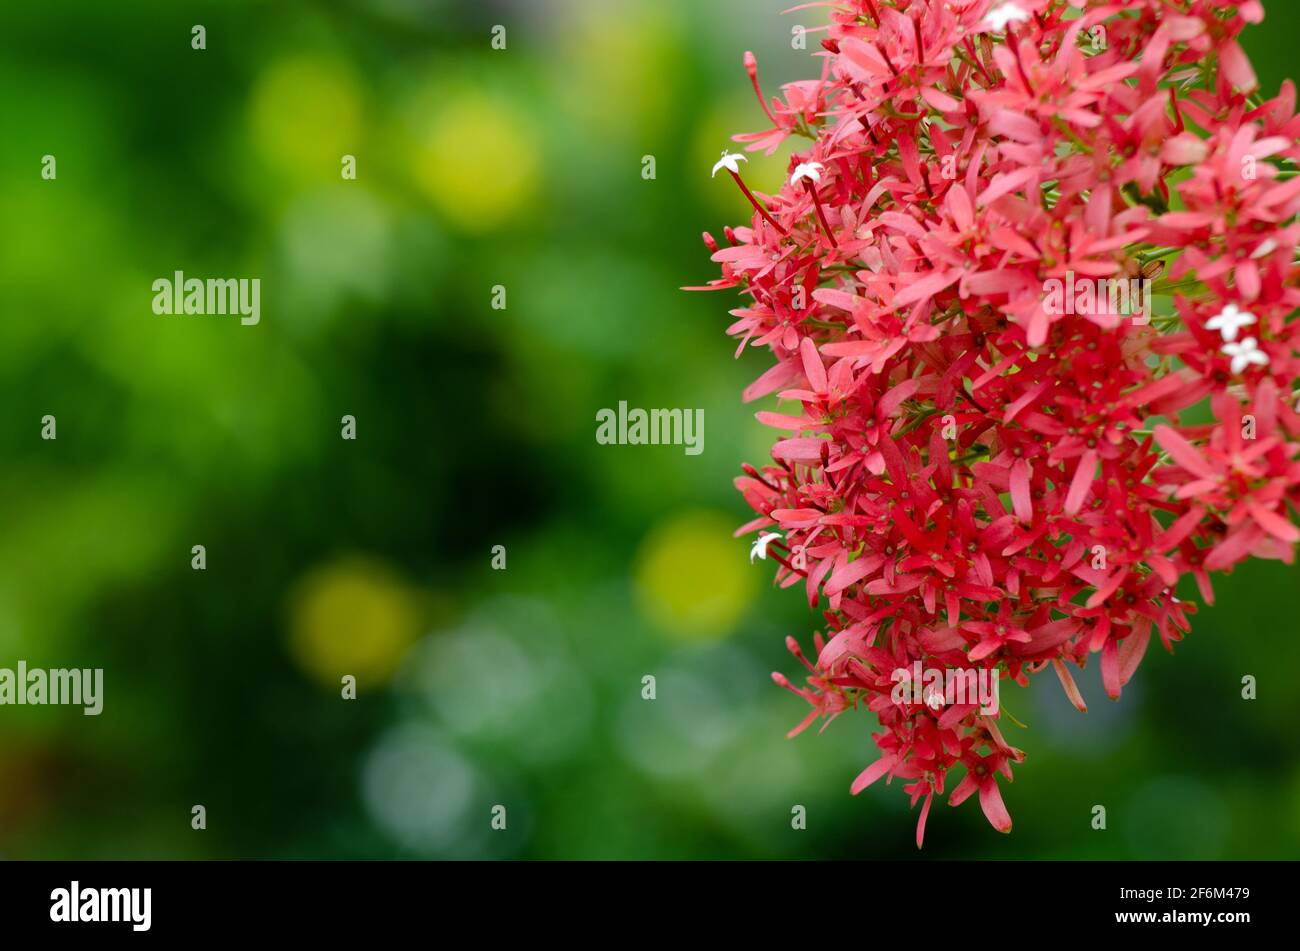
964 475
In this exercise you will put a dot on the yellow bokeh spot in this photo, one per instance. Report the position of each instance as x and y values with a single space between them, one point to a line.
353 616
305 114
477 160
618 67
693 578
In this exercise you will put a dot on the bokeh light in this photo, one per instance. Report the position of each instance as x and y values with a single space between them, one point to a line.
352 617
691 576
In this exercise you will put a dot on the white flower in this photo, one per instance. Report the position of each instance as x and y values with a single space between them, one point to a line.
760 546
1229 320
999 17
1244 354
729 161
808 170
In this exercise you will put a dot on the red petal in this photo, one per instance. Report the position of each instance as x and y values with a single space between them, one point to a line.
1277 526
873 772
993 806
920 823
1183 452
1021 501
812 365
1130 652
1236 67
1068 684
1081 482
1110 668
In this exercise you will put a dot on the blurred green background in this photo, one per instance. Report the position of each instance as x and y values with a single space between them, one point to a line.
522 687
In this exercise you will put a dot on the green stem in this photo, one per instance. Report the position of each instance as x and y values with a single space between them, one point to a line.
1146 257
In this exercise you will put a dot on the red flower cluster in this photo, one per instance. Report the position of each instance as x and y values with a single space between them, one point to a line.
979 477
